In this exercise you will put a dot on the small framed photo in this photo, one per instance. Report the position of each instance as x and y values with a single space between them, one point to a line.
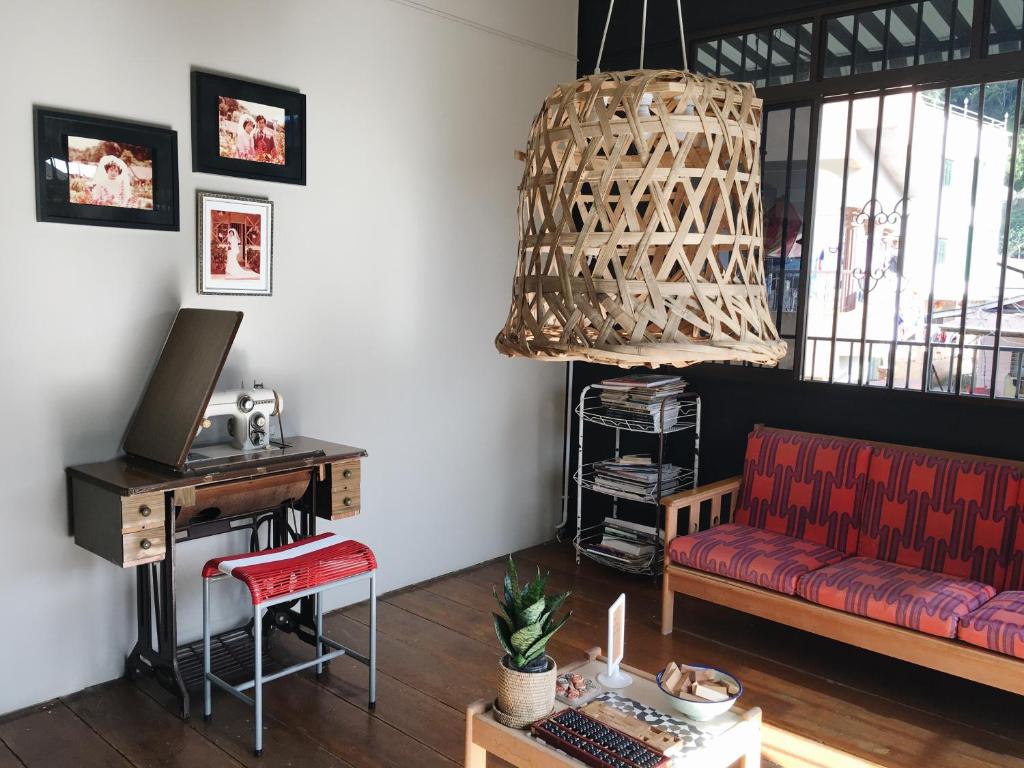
93 170
235 245
246 129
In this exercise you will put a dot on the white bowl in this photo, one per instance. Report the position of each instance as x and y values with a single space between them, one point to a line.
698 709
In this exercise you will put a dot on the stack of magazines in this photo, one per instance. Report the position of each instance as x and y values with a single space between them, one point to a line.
644 396
636 476
630 543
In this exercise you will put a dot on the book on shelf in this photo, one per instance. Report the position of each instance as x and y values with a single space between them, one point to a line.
630 548
655 398
629 529
640 380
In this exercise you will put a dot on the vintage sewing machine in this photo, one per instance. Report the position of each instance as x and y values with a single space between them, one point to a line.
169 489
247 413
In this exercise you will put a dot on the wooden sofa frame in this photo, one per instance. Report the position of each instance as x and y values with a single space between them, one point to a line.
951 656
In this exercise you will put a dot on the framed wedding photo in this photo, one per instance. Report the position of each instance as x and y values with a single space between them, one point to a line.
235 245
112 173
240 128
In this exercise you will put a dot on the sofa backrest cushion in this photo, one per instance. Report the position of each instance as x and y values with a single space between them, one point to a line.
803 485
1015 565
944 513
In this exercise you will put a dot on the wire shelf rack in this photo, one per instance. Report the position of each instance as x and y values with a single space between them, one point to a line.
590 408
684 411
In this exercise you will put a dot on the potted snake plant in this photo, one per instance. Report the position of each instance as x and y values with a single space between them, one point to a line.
526 674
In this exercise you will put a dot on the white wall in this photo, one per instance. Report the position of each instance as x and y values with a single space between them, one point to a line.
392 275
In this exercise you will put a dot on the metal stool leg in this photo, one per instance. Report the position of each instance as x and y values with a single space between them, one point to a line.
257 633
207 702
373 640
320 649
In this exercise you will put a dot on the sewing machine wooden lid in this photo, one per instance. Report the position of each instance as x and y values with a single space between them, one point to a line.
177 394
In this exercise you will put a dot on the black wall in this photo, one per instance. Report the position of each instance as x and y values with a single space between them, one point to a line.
734 397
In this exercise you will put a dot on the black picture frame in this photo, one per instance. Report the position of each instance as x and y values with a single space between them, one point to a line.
55 171
207 88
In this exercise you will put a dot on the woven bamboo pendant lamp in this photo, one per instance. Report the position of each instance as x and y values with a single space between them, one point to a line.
640 225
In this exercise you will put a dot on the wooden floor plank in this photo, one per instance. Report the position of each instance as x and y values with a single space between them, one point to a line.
363 739
8 759
143 731
423 718
231 729
52 730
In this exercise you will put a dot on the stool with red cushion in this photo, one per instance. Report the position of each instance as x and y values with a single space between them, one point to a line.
307 567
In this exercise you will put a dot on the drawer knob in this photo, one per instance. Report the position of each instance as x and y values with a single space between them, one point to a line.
145 511
347 474
347 501
145 543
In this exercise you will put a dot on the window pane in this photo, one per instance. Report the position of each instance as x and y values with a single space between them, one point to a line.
731 57
870 44
784 44
839 47
902 36
756 58
992 130
803 63
774 174
1009 375
707 58
884 233
962 29
935 31
1004 31
822 271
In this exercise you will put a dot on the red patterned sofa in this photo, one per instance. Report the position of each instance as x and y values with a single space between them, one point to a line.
912 553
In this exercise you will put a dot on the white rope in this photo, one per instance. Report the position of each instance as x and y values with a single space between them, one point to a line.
643 34
604 37
682 35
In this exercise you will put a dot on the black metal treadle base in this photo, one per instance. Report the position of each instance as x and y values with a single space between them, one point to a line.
231 658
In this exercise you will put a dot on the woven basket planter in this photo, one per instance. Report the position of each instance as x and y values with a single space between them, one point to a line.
524 697
640 225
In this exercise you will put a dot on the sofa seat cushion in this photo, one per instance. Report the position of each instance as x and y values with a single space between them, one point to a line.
998 625
897 594
803 485
940 512
760 557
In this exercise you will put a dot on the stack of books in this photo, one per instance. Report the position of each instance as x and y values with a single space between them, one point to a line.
636 476
627 542
644 396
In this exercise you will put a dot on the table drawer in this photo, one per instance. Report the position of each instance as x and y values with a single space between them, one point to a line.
143 547
345 477
142 511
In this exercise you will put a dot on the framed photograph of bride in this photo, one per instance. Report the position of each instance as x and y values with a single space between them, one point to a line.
235 245
94 170
242 128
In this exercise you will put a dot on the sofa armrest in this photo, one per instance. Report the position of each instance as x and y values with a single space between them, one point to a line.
691 499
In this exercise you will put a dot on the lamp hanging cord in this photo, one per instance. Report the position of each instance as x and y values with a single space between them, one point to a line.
682 35
643 34
607 21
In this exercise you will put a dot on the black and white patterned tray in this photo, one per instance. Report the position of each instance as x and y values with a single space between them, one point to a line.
695 736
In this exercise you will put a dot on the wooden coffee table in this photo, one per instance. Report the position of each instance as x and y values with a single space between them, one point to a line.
728 739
